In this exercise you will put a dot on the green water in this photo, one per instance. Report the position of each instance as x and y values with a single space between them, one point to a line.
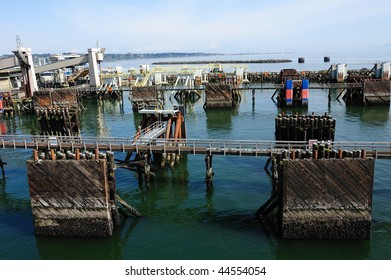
182 220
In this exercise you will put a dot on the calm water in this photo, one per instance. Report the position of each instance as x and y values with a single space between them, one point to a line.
183 221
313 61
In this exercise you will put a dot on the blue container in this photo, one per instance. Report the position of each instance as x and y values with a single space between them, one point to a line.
305 84
288 84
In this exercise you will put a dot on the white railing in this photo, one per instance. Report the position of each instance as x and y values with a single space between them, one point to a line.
222 146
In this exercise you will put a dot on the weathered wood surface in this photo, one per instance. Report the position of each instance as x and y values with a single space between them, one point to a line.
50 99
327 198
144 96
218 96
70 197
377 92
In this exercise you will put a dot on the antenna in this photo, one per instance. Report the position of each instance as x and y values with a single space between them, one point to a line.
97 44
18 42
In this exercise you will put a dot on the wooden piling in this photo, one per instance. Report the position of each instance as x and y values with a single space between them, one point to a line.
128 207
2 163
35 154
52 154
304 128
209 171
96 154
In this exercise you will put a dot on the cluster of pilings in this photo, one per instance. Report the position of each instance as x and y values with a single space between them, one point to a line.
57 112
320 192
304 127
187 95
58 122
156 124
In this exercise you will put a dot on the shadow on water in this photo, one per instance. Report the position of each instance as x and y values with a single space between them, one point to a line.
322 249
167 188
17 211
71 248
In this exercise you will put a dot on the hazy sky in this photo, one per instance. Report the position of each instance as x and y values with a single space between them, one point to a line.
224 26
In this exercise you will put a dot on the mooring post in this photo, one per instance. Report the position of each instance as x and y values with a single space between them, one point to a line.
2 163
52 154
35 154
209 171
267 163
96 154
147 168
253 97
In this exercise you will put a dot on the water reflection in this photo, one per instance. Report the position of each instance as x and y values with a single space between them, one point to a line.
96 113
370 115
219 120
71 248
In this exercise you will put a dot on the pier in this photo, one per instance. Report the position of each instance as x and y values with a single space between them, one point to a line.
322 188
377 150
297 169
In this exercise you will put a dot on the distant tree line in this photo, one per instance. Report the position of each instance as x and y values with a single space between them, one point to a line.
126 56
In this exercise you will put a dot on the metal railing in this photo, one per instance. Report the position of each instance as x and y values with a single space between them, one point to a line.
150 133
215 146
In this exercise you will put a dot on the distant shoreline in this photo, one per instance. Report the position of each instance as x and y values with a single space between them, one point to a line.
223 61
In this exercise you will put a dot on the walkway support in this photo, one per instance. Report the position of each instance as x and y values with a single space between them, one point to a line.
209 172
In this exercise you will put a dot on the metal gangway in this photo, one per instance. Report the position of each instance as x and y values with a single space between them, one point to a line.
149 133
149 143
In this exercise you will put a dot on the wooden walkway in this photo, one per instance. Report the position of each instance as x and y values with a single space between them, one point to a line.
377 150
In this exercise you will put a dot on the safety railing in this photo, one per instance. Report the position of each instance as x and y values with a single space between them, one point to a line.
220 146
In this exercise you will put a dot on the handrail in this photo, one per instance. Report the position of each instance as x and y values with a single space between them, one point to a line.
149 130
25 141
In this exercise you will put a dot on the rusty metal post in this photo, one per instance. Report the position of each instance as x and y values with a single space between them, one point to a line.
52 154
96 154
35 152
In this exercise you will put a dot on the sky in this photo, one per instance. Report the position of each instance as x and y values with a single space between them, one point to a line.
215 26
